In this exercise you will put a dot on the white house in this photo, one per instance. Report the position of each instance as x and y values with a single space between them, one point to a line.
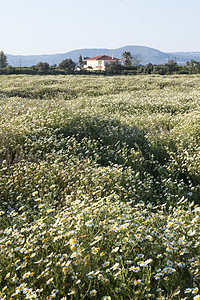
99 62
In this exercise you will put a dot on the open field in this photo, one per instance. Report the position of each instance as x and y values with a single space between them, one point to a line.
99 187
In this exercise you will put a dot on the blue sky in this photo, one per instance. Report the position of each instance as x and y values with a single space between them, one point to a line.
58 26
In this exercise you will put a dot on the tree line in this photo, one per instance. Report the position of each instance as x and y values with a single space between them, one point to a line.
131 66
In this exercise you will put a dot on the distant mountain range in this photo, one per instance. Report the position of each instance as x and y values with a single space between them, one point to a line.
147 55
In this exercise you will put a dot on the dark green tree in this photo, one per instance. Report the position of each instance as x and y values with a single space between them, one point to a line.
3 60
170 66
159 69
127 58
80 61
113 68
67 65
148 69
42 68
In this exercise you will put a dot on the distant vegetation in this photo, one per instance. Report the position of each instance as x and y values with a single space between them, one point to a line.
99 187
3 60
131 66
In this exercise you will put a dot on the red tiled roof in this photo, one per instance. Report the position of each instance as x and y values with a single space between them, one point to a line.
103 57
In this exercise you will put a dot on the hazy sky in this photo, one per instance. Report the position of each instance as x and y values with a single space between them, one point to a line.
58 26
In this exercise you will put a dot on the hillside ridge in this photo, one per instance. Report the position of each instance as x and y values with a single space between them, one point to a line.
147 55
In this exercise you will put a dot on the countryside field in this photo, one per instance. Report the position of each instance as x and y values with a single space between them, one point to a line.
100 187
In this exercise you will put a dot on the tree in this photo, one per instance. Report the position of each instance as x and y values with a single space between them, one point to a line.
3 60
127 58
193 67
42 68
136 60
67 65
170 66
148 69
159 69
80 61
113 68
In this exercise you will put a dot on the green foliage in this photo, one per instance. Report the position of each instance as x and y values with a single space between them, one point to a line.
127 58
148 69
42 68
170 66
68 66
80 61
113 68
3 60
193 67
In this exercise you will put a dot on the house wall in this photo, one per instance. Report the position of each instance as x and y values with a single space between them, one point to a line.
103 64
97 64
93 64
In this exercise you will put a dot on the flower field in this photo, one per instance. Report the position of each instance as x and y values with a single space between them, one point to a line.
100 187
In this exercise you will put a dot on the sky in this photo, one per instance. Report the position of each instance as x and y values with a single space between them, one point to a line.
58 26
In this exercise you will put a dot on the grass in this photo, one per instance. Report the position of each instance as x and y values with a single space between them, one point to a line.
99 187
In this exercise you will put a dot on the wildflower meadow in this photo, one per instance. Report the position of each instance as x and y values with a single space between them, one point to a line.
100 187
